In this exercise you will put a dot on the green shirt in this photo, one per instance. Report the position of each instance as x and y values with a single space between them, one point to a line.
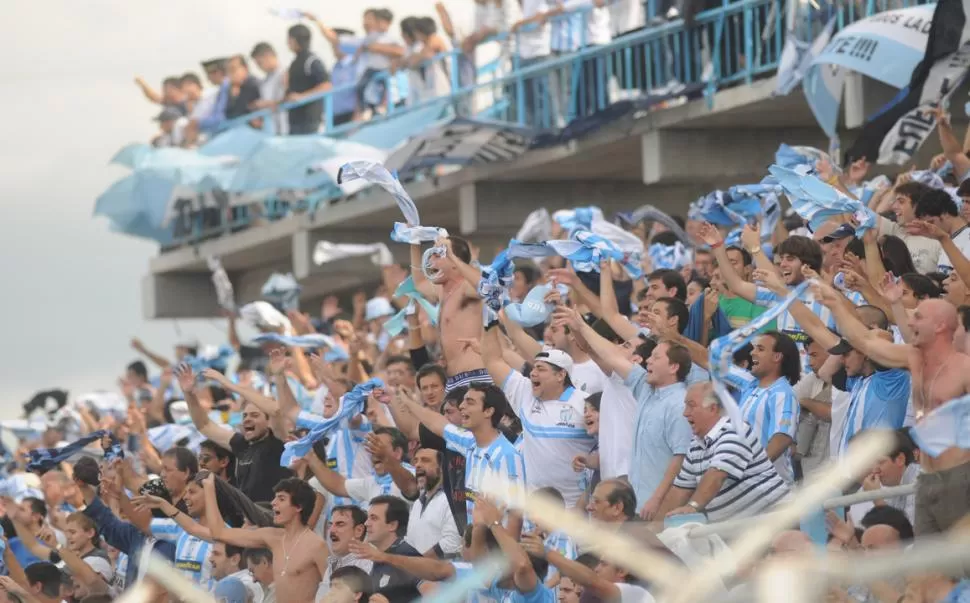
740 312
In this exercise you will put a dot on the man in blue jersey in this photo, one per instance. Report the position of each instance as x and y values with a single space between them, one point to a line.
878 396
478 439
768 402
361 490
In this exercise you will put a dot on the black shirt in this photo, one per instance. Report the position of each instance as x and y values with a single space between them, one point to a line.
306 72
396 584
258 465
452 475
238 105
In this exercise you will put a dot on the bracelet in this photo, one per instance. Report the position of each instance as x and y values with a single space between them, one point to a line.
755 251
174 515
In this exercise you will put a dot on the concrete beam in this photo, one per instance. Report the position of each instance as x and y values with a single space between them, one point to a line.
178 295
672 156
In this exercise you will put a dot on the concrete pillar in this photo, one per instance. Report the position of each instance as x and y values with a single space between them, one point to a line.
713 154
178 295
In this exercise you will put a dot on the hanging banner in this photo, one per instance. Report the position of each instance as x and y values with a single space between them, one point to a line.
885 47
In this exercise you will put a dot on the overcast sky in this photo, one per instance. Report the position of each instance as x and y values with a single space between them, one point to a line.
71 288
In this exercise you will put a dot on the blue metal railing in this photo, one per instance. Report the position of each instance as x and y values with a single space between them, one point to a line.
729 45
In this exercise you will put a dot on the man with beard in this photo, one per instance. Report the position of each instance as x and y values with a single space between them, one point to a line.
346 526
431 526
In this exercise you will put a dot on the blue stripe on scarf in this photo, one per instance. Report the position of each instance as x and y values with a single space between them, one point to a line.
42 460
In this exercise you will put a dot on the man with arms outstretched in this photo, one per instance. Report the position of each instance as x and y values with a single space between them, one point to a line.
299 555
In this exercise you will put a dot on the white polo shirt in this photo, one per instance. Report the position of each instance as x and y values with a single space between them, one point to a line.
536 43
431 523
553 433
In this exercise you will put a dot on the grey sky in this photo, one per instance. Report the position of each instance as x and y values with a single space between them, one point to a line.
71 299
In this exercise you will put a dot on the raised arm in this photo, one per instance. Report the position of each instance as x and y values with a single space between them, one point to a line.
742 288
523 342
332 481
884 352
498 369
185 522
951 145
160 361
611 310
219 434
523 575
404 402
612 357
425 287
567 276
601 588
246 538
807 319
424 568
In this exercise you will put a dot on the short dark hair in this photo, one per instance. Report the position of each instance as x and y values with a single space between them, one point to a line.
398 440
644 349
260 49
259 555
86 523
791 360
494 398
746 259
185 459
191 78
623 494
241 59
429 370
300 34
221 454
677 307
461 248
398 359
138 367
935 203
396 511
528 273
301 495
964 189
803 248
233 550
964 313
36 505
679 354
889 516
903 444
356 579
47 575
172 81
912 189
384 14
873 317
425 25
357 515
455 396
671 279
594 401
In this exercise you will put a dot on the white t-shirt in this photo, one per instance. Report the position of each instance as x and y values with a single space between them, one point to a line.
571 34
376 61
432 523
631 593
588 377
840 414
536 43
962 240
553 433
924 251
365 488
618 412
626 15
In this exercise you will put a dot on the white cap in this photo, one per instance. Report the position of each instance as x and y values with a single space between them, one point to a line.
556 358
377 307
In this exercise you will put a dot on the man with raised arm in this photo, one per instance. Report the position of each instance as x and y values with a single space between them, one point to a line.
939 374
461 307
485 448
299 555
257 448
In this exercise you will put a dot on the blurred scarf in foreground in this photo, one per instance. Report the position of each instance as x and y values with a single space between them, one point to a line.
42 460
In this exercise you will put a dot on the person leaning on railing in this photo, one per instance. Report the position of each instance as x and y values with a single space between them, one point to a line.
307 77
344 44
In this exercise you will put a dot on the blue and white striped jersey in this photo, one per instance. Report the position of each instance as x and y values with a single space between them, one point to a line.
768 410
500 457
192 558
879 400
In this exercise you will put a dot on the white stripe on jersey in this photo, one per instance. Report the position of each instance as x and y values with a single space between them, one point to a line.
499 457
192 558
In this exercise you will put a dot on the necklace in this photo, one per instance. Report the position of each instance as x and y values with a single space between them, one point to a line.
286 556
928 394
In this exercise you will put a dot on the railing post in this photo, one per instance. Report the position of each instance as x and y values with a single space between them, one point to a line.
748 43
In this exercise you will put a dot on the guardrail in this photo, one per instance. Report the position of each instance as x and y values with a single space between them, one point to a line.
725 46
734 526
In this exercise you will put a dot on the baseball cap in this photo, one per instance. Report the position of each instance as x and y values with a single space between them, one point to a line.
556 358
843 231
230 590
377 307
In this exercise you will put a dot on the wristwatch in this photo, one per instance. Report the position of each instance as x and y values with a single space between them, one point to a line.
694 505
755 250
495 524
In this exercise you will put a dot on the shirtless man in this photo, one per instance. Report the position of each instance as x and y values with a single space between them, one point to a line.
461 308
940 373
299 555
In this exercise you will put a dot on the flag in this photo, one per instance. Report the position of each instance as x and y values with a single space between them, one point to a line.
898 130
797 57
946 427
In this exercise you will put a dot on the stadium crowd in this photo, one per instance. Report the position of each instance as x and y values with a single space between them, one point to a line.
391 64
342 455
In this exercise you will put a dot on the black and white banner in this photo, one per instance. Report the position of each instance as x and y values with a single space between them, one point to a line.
897 132
461 142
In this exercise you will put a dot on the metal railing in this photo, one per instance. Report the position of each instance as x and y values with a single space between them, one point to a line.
735 526
730 45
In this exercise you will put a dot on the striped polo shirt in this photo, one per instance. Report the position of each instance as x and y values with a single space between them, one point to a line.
752 484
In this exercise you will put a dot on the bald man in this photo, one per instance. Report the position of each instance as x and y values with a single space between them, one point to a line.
881 537
940 373
792 542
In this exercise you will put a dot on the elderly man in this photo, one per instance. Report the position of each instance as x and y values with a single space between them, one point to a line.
726 472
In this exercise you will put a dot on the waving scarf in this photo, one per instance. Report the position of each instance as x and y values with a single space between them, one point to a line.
220 280
42 460
816 202
283 291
